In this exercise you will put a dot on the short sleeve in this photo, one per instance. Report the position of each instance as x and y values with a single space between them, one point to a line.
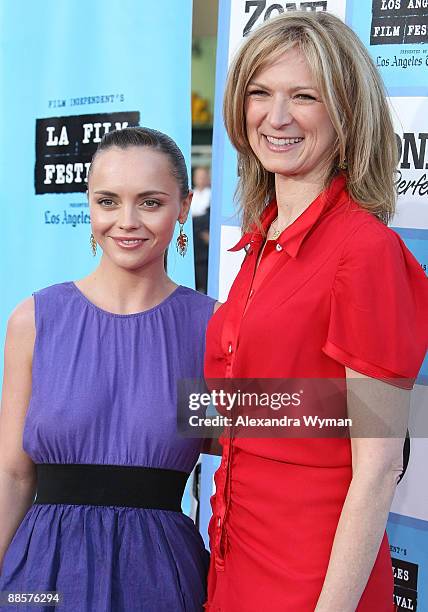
379 300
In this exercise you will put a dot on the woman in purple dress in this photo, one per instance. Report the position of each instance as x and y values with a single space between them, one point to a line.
88 419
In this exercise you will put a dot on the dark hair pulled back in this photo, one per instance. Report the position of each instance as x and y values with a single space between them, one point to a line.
153 139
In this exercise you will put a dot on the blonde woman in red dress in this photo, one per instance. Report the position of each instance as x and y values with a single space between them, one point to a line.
326 290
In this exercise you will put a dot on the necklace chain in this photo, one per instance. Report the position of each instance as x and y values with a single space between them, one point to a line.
277 231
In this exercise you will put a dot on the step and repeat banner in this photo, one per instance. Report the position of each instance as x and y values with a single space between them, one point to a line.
69 72
396 34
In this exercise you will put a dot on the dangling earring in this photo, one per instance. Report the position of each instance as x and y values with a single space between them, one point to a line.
343 165
93 244
182 241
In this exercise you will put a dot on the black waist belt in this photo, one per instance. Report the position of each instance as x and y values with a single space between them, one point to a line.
110 485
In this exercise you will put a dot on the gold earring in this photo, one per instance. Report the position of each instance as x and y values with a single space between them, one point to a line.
182 241
93 244
343 165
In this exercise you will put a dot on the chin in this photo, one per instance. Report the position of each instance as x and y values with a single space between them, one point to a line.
276 165
278 168
130 266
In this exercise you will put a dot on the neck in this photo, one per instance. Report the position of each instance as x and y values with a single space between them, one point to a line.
126 291
294 194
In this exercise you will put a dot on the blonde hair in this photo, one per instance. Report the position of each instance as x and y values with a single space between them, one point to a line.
353 94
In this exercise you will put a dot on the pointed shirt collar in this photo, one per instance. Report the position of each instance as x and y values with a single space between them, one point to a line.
292 237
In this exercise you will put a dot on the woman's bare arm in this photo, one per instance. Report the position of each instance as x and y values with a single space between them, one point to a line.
376 409
17 471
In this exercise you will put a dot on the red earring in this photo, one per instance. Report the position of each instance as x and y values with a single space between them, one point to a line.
182 241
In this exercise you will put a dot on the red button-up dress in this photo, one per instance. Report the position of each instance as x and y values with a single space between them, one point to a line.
338 288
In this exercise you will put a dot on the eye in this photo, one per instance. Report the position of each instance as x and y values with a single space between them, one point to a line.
304 98
106 203
257 92
150 204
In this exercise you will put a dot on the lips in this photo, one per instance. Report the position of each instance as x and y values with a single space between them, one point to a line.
129 243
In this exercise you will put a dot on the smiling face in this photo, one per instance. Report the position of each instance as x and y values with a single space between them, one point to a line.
135 203
288 127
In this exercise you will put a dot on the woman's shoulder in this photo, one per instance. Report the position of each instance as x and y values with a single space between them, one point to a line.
53 301
374 255
23 314
196 298
21 325
23 317
370 237
54 290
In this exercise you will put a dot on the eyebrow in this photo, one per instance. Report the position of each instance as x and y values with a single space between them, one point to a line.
295 88
143 194
255 84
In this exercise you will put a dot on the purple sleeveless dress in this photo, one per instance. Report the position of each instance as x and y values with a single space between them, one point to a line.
104 392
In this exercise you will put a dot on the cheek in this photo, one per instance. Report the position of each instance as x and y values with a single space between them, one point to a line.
100 218
162 224
329 139
325 127
252 115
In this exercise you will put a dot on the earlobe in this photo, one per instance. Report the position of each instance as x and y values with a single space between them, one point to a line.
185 207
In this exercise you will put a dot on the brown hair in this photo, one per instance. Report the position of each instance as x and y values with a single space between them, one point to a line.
354 96
153 139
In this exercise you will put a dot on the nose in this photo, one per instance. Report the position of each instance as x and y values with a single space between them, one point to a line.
279 112
129 218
